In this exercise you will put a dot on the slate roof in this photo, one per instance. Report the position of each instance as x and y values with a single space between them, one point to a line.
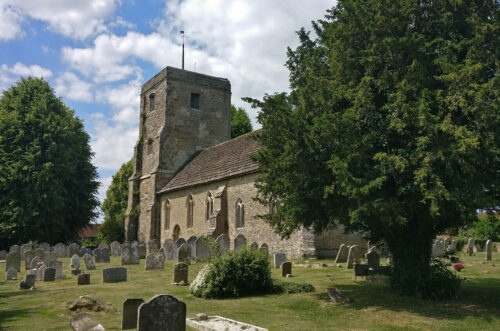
225 160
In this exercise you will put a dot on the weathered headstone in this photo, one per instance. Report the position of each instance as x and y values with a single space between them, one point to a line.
13 260
336 295
85 322
453 245
89 261
264 248
3 254
12 273
279 258
181 274
240 242
116 248
489 249
163 312
141 246
73 249
286 269
76 272
60 250
373 259
154 262
28 283
24 249
130 311
191 243
103 245
153 246
40 253
35 262
75 262
83 279
202 249
15 249
361 270
182 253
446 243
169 249
178 243
254 246
470 246
438 248
84 250
58 266
28 256
44 247
49 257
353 256
223 241
49 275
342 254
130 254
114 275
102 255
40 272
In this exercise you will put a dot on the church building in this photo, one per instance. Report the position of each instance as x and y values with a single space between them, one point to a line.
191 179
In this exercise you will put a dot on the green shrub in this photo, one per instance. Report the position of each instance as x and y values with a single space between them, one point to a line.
289 287
442 283
213 247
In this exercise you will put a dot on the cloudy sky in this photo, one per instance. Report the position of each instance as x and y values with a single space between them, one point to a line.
97 53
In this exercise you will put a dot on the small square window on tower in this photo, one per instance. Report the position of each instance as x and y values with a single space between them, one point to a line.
195 100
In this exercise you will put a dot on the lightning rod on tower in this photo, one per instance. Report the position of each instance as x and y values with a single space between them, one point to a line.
182 35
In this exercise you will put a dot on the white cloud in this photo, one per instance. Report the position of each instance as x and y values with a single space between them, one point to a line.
10 23
9 75
70 86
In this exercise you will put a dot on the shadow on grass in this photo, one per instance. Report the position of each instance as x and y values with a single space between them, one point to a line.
479 297
10 315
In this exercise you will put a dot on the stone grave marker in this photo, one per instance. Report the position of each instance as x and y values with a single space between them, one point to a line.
114 275
336 295
489 249
60 250
89 261
342 254
116 248
130 254
13 260
102 255
223 241
191 243
361 270
279 258
49 275
154 262
178 244
153 246
24 249
446 243
15 249
240 242
73 249
34 262
161 251
84 250
44 247
28 283
103 245
180 274
3 255
75 262
141 246
353 256
373 259
202 251
470 246
254 246
49 257
58 266
183 253
453 245
85 322
83 279
40 272
11 274
286 269
28 256
264 248
169 249
163 312
130 311
40 253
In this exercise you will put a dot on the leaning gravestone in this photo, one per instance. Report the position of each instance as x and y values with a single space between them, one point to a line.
28 283
264 248
178 244
240 242
353 256
141 246
75 262
24 249
49 257
342 254
89 261
116 248
470 246
163 312
49 275
85 322
40 272
130 310
114 275
169 249
279 258
12 274
286 269
102 255
83 279
28 256
180 274
489 249
254 246
130 254
154 262
60 250
3 254
373 259
35 262
58 266
191 243
153 246
13 260
40 253
223 241
202 251
182 253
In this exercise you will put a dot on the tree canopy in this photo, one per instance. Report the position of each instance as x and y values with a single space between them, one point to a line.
115 205
48 186
240 122
392 126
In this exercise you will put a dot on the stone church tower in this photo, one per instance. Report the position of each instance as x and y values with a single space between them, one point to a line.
182 113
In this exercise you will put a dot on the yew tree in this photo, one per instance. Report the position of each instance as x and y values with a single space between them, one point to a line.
391 128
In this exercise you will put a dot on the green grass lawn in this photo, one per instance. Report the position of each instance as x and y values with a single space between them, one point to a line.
373 306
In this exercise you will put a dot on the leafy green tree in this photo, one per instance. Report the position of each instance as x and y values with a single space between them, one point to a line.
392 127
240 122
48 186
115 205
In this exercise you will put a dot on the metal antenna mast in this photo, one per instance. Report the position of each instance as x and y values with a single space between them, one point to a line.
182 35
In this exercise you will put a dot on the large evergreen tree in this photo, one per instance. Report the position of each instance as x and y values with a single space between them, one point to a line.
48 187
392 127
240 122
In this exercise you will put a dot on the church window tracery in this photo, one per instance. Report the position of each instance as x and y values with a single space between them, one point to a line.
189 205
240 214
209 206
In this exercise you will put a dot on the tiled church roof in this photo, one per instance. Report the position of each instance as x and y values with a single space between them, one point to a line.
228 159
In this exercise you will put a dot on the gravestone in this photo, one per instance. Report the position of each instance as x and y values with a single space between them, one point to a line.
15 249
161 251
438 248
75 262
141 246
84 250
470 246
49 257
130 311
202 251
182 253
24 249
180 274
76 272
89 261
60 250
264 248
39 253
35 262
49 275
178 244
12 273
154 262
191 243
153 246
3 254
58 266
44 247
353 256
446 243
279 258
163 312
28 256
169 249
13 260
223 241
489 249
254 246
73 249
102 255
361 270
40 272
114 275
240 242
28 283
286 269
116 248
103 245
336 295
342 254
453 245
130 254
83 279
373 259
85 322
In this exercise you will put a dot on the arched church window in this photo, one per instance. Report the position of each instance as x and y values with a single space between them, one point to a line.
166 214
209 206
151 102
176 233
189 205
240 214
274 205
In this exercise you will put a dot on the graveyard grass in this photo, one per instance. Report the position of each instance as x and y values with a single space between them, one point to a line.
373 307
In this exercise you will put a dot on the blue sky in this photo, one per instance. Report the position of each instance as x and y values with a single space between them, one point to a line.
97 53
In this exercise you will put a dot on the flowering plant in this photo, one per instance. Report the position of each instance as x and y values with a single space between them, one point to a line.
458 266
